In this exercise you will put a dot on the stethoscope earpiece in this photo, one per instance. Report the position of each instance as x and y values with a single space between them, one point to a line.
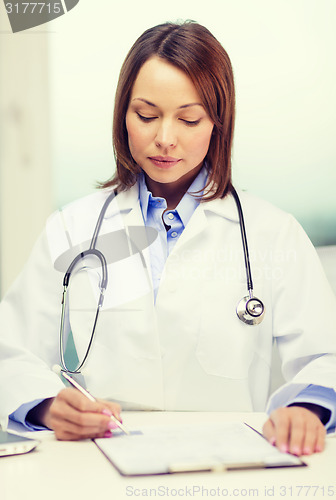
250 310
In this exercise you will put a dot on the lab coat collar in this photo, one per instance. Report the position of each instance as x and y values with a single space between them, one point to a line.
127 201
225 207
127 205
124 203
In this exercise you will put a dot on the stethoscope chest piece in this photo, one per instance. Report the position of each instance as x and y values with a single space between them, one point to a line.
250 310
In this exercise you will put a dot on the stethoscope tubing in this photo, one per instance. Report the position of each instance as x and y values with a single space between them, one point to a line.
244 242
250 317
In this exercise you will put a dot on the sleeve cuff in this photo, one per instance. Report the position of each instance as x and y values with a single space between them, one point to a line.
321 396
20 416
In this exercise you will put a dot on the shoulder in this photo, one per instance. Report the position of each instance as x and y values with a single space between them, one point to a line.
264 222
264 212
260 205
73 225
88 208
254 208
268 222
77 217
89 204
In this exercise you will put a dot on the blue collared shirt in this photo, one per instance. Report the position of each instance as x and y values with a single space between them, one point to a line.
168 223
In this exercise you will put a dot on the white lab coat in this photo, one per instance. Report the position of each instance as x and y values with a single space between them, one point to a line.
189 351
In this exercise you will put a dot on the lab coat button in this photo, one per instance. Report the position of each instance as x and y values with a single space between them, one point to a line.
174 234
170 216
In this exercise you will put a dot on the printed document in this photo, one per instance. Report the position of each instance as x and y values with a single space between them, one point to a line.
194 447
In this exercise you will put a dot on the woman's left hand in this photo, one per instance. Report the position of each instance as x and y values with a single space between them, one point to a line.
296 430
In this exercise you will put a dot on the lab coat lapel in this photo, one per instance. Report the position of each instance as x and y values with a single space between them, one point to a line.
134 217
138 343
126 204
224 207
129 207
195 226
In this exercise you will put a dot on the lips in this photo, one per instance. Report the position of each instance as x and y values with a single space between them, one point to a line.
164 161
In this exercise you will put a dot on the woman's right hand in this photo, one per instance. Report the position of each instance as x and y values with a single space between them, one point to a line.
72 416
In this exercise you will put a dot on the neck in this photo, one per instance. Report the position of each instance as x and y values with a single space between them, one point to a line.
172 192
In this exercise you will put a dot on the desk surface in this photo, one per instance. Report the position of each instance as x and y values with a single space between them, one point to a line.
78 470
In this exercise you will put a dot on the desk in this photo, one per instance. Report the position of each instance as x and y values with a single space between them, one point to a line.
79 471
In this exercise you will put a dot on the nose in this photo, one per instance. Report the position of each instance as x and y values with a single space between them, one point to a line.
165 135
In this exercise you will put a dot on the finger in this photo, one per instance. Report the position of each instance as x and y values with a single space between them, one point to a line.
269 431
64 435
297 431
315 436
281 424
111 408
74 416
320 440
78 401
74 419
79 432
65 417
86 426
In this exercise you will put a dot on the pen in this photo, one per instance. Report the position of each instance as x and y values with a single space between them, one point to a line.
75 384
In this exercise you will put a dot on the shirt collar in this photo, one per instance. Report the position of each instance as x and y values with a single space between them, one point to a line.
144 196
187 204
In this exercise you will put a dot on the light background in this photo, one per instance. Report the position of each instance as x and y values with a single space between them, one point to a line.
283 55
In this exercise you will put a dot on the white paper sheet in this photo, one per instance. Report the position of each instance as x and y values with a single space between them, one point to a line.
208 446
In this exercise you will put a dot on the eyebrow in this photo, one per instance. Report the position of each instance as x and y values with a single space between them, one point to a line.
155 106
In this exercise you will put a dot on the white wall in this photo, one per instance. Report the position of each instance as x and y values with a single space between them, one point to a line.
25 167
283 54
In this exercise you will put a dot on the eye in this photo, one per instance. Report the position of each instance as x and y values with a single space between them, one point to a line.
146 119
191 123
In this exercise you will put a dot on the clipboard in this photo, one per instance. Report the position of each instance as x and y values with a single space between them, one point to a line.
216 447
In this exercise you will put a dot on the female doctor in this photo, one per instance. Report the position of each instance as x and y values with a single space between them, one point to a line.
168 336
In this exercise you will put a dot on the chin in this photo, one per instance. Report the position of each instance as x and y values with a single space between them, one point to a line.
166 179
163 176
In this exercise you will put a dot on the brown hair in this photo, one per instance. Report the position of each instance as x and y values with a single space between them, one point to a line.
193 49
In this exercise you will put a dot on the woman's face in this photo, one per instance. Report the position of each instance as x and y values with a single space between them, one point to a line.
169 130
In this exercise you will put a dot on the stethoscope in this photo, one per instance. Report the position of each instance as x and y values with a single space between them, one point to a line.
250 310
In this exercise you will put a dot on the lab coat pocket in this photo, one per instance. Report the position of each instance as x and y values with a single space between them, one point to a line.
226 346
